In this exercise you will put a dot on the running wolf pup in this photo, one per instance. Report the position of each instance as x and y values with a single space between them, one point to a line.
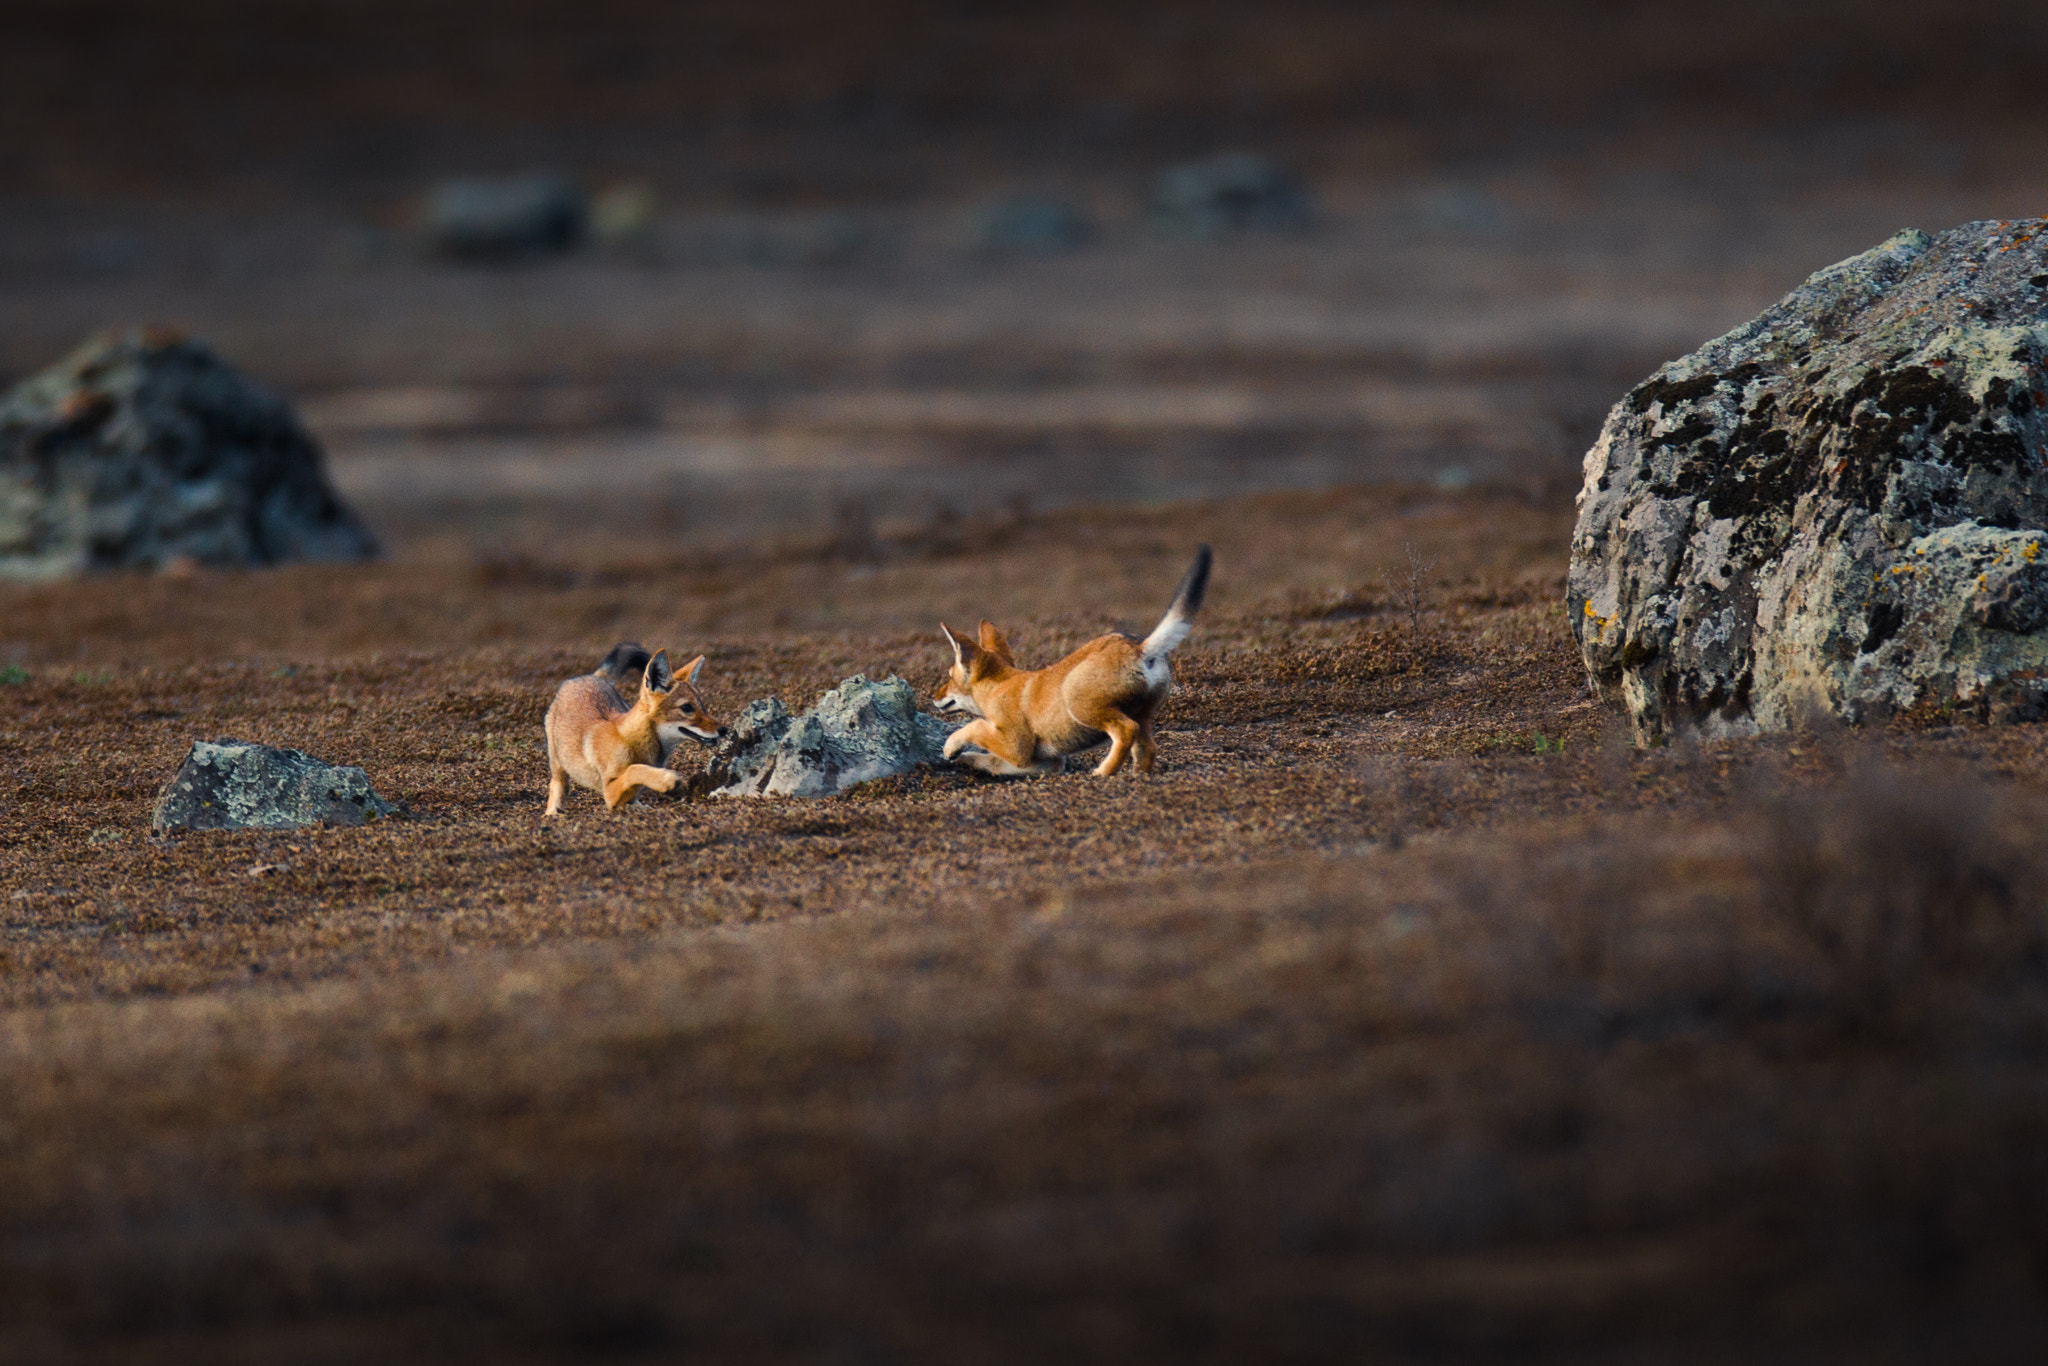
1029 719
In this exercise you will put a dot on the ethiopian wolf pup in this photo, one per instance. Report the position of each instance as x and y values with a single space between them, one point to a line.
598 742
1110 688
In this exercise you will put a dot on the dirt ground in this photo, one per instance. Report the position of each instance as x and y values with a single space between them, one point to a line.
1404 1010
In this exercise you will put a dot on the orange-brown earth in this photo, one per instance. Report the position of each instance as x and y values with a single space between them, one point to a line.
1405 1012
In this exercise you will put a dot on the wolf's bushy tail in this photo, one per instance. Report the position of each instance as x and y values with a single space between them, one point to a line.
626 662
1173 628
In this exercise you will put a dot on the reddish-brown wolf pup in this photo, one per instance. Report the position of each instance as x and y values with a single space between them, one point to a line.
598 742
1029 719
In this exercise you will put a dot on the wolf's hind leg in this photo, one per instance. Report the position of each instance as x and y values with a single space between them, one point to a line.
557 784
1147 747
1122 732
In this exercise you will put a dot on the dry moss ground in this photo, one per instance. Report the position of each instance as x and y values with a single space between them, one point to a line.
1375 1023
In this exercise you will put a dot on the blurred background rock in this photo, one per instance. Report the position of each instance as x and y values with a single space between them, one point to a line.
1229 193
504 219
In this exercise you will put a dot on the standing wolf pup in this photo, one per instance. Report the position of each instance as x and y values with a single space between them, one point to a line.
597 741
1111 688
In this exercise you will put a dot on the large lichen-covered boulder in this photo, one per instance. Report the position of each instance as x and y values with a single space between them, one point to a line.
234 785
859 731
141 449
1838 508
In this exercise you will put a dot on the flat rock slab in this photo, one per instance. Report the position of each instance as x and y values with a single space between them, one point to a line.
1839 508
859 731
233 785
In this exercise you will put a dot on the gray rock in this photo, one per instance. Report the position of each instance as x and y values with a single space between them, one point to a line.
859 731
1836 508
141 448
500 220
234 785
1228 193
1035 226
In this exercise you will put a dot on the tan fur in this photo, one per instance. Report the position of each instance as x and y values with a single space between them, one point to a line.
1109 689
597 741
1028 719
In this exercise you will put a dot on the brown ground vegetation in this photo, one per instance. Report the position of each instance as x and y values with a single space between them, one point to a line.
1404 1012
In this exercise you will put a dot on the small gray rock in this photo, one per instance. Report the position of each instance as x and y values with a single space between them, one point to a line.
858 732
501 220
141 448
1837 508
233 785
1229 193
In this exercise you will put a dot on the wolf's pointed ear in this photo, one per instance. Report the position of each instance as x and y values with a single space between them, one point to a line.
659 678
963 650
692 669
994 641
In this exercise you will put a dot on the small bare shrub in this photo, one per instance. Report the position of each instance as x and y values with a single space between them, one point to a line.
1409 592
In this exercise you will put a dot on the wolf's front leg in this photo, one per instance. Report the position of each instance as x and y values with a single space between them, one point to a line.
1005 757
997 766
977 732
621 788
